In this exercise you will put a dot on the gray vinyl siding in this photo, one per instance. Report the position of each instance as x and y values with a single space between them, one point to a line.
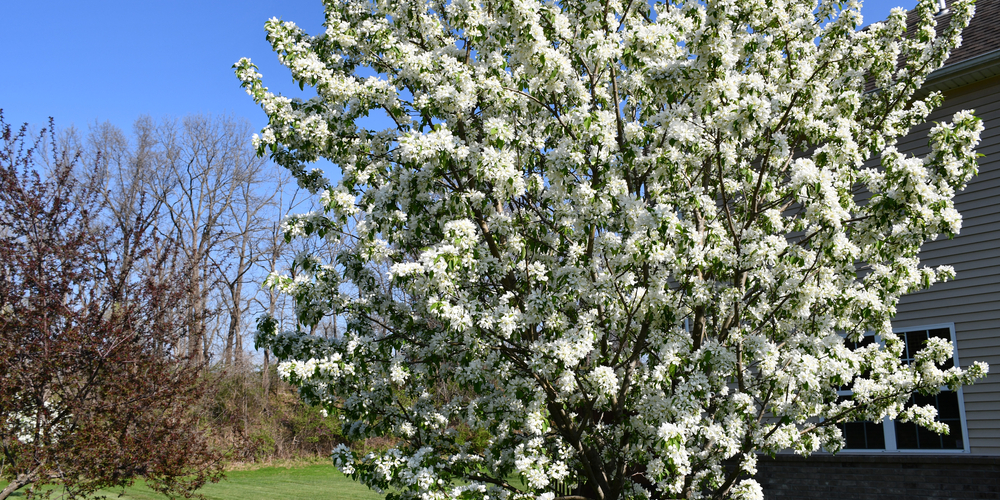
972 300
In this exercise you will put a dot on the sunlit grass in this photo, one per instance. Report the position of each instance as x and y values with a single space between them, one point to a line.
317 481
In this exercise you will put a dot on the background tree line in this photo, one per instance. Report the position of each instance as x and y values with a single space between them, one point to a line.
132 267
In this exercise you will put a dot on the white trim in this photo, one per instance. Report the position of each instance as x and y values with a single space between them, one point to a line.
859 451
889 429
961 414
959 393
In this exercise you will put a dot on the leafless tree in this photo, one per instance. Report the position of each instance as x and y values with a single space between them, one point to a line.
199 182
248 224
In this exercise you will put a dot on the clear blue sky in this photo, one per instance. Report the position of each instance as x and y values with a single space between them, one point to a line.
113 60
83 61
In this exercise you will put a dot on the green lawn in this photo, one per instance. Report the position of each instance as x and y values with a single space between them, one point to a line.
319 482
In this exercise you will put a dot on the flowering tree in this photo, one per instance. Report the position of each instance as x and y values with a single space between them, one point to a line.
626 242
90 396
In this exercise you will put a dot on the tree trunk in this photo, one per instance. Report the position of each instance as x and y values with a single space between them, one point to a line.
196 316
265 376
235 315
239 357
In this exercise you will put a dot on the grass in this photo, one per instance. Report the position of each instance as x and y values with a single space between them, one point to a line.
317 481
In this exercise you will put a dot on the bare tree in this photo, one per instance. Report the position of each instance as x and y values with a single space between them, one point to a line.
199 182
248 223
273 253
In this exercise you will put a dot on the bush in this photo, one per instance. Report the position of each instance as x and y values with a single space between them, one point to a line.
265 423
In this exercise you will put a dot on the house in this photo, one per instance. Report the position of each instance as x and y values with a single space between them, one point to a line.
890 460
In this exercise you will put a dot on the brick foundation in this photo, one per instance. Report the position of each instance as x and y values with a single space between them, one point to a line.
880 477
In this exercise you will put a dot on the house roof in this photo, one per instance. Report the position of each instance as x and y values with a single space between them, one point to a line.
978 58
980 37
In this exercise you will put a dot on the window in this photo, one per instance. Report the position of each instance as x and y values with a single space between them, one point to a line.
889 435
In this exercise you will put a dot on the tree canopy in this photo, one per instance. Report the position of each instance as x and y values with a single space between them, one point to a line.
630 243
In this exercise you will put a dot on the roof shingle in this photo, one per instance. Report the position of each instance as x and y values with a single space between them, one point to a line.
980 37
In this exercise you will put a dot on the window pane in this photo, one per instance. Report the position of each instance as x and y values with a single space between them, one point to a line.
914 341
928 439
863 436
953 441
947 405
910 436
943 333
862 342
906 436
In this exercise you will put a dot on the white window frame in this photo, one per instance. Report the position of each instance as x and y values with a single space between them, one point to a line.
889 425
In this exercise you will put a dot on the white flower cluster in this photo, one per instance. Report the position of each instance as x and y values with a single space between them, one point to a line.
610 248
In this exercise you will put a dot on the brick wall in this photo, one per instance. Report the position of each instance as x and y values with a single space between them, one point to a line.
880 477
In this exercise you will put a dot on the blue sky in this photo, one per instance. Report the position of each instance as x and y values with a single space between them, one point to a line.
112 60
